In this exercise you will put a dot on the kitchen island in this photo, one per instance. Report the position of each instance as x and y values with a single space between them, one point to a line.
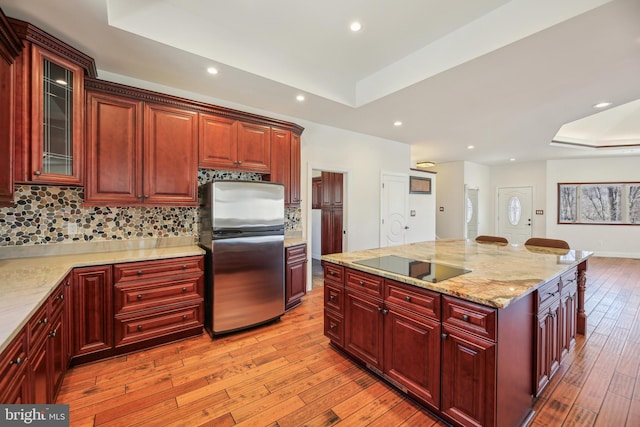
472 331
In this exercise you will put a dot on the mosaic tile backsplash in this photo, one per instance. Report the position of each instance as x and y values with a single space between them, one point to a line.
49 214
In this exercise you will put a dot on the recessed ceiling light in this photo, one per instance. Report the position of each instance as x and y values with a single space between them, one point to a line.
513 159
470 147
602 104
212 70
397 123
300 98
355 26
61 82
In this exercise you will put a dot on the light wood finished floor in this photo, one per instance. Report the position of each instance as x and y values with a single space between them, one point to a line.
286 374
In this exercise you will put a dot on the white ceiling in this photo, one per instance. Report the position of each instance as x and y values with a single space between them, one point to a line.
503 76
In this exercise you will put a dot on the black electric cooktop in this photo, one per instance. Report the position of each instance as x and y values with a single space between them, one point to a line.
422 270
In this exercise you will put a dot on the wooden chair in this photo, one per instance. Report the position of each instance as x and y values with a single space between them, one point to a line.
547 243
491 239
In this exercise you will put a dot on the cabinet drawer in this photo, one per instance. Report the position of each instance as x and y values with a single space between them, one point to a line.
334 298
150 269
56 300
134 328
364 282
418 300
334 328
548 292
38 326
569 278
296 253
474 318
334 273
12 359
144 295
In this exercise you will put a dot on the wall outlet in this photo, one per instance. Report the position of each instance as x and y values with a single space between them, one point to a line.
72 229
441 208
412 213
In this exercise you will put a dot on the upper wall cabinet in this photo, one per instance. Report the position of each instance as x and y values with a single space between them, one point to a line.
230 144
141 149
49 108
10 47
285 168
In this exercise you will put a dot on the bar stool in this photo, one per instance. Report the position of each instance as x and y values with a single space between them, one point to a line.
491 239
547 243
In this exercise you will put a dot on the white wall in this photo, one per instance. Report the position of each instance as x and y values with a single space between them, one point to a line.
529 174
604 240
422 226
316 233
450 198
479 176
361 158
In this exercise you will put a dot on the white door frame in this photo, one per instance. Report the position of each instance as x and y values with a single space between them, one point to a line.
525 215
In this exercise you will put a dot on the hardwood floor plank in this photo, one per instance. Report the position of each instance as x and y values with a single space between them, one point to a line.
613 412
557 406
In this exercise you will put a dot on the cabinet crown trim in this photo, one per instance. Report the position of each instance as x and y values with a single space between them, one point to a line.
10 45
104 86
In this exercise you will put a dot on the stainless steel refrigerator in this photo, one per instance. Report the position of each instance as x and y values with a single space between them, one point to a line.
242 231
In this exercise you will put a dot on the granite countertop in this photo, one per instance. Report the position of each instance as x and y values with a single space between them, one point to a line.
294 241
25 283
500 274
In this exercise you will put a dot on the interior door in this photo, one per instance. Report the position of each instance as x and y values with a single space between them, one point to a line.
471 212
394 209
514 213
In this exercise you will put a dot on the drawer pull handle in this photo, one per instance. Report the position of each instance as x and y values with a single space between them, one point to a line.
465 317
43 321
361 283
18 361
139 272
185 317
53 333
139 327
407 298
184 289
139 296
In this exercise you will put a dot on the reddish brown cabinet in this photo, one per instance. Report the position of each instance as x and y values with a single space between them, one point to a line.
285 163
331 205
92 308
14 372
49 108
139 152
230 144
10 47
469 363
295 281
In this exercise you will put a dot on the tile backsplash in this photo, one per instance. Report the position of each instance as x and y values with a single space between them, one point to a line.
52 214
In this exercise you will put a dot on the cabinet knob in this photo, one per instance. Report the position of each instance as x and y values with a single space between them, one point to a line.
139 327
185 317
332 297
465 317
407 298
184 289
37 173
332 326
385 311
139 196
139 296
444 336
361 283
139 272
53 333
184 266
146 196
43 321
60 297
18 361
239 162
332 273
67 283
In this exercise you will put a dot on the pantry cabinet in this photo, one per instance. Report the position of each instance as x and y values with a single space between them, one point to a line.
49 108
139 152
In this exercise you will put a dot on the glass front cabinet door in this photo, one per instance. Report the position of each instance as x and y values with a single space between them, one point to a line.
57 98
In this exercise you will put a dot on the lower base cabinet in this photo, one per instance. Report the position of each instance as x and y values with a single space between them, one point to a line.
155 302
469 364
295 280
